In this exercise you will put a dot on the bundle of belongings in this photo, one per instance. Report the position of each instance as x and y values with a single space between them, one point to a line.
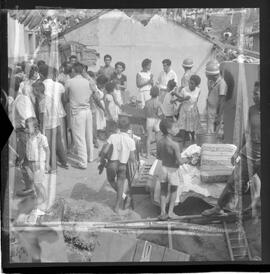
204 176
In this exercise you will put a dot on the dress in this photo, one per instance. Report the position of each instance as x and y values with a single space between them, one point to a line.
144 92
189 117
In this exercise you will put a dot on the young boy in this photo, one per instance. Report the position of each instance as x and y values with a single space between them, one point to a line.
152 109
123 151
169 154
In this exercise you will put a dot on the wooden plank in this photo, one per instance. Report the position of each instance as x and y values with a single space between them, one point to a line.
114 247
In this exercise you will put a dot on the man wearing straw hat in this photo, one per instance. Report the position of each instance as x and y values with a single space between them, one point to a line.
187 66
216 97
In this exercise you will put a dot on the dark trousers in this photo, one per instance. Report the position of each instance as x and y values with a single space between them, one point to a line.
56 147
21 139
242 173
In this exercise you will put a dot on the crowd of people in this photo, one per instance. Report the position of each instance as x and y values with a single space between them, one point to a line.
46 106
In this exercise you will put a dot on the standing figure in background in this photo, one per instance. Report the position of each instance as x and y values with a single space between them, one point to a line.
144 82
169 105
189 117
187 66
78 92
73 59
216 97
153 108
106 70
122 78
164 77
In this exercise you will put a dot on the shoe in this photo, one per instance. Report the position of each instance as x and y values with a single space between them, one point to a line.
80 166
212 211
64 165
163 217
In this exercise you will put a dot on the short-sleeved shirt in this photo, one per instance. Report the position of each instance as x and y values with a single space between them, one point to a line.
48 106
22 109
106 71
35 148
123 144
55 90
122 79
79 92
189 104
217 88
164 78
152 107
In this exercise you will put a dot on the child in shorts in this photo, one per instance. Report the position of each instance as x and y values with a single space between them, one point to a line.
169 153
153 108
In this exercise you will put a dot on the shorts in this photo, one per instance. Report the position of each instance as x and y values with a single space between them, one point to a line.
171 175
116 169
153 123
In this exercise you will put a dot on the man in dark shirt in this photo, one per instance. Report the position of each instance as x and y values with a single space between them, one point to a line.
250 156
169 154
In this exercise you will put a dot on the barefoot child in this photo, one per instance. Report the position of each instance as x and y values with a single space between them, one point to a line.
123 151
152 109
37 154
169 154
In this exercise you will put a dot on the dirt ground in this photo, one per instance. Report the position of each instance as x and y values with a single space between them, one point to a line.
89 197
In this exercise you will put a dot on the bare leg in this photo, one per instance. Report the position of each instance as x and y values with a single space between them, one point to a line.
148 142
163 196
120 190
171 214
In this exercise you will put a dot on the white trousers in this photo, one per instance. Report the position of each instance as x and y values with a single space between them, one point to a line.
82 132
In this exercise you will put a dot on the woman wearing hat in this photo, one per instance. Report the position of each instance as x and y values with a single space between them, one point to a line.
187 66
216 97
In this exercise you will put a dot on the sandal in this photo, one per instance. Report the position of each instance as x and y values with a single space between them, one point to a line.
163 217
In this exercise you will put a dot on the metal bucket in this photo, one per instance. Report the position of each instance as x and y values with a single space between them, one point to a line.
206 138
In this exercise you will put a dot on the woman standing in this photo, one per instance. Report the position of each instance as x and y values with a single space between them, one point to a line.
121 78
189 118
144 81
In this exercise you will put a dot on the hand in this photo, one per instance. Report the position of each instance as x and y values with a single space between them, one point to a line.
234 157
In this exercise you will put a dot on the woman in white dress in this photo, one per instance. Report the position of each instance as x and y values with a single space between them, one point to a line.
144 82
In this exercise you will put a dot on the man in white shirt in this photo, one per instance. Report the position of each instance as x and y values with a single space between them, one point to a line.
123 151
51 112
78 93
164 77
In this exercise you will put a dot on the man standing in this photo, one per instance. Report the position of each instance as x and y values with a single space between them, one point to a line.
216 97
164 77
250 156
78 93
73 59
106 70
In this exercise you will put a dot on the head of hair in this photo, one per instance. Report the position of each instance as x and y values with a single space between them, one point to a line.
40 62
165 125
18 70
146 62
102 80
91 74
154 92
18 81
168 62
43 70
123 123
85 67
32 71
66 67
77 68
120 64
171 84
23 65
196 79
107 56
33 120
39 87
110 86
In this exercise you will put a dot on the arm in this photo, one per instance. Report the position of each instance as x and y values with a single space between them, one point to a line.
180 160
221 103
132 157
158 151
41 119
